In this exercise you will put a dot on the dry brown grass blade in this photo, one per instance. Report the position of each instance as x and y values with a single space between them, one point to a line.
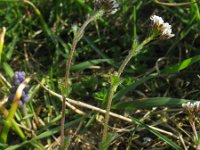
91 107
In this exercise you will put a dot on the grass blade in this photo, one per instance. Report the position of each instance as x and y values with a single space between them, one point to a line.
89 63
168 70
158 134
2 35
148 103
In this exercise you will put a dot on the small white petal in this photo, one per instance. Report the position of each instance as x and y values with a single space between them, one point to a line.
183 105
170 36
188 104
156 20
166 25
166 31
192 105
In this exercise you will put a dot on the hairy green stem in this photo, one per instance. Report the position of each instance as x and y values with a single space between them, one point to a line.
77 38
114 87
107 116
133 53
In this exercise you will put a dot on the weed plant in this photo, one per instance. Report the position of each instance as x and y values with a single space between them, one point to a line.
102 74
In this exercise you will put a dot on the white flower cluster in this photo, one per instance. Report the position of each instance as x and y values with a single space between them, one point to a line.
164 28
192 107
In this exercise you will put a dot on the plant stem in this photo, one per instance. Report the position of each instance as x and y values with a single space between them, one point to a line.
114 87
77 38
107 116
24 112
133 53
62 134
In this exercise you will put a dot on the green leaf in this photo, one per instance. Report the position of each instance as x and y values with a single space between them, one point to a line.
115 80
14 147
109 139
92 45
148 103
2 34
37 145
3 146
45 134
9 71
158 134
168 70
132 86
56 130
89 63
182 65
67 142
10 48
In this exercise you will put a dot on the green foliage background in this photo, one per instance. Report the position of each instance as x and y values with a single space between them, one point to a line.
165 74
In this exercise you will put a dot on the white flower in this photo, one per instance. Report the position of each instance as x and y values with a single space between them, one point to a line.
110 6
192 107
164 29
184 105
166 25
156 20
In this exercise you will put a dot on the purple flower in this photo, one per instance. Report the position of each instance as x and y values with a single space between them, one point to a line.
18 78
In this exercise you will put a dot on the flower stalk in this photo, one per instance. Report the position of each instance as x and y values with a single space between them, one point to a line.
159 29
114 87
78 36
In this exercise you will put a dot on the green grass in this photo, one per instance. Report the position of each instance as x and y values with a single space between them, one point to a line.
154 85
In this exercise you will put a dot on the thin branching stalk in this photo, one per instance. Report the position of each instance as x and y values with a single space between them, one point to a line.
113 87
77 38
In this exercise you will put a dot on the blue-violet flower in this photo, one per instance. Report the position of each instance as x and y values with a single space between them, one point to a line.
18 78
